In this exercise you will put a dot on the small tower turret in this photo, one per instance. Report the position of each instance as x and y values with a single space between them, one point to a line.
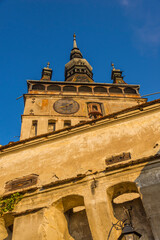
46 73
116 75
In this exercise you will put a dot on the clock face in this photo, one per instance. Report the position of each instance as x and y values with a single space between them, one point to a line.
66 106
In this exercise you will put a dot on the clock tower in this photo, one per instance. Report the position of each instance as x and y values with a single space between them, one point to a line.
53 105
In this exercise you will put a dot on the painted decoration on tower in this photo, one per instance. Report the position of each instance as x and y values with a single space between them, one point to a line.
66 106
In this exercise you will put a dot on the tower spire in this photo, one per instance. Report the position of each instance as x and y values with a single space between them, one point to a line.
74 41
77 69
75 52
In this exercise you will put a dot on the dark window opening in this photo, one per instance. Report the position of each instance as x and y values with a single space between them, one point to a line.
84 89
38 87
34 127
69 89
67 123
95 108
54 88
130 91
115 90
100 90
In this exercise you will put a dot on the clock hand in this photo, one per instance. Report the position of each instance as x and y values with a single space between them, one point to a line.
65 106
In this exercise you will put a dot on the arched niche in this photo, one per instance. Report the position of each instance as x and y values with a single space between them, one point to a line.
129 90
54 88
6 226
100 90
85 89
74 211
123 196
69 89
115 90
38 87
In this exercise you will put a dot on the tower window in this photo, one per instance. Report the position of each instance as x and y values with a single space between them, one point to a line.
85 89
67 123
34 127
115 90
51 126
95 110
130 91
69 89
54 88
38 87
100 90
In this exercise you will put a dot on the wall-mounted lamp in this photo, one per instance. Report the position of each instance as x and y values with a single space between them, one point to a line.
128 233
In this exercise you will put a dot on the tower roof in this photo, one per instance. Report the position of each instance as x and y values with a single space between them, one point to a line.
77 69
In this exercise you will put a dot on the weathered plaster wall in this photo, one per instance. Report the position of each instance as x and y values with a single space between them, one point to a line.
83 149
77 151
42 110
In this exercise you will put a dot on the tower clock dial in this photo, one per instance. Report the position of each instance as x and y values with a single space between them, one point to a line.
66 106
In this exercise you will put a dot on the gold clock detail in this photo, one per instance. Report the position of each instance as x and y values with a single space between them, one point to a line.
66 106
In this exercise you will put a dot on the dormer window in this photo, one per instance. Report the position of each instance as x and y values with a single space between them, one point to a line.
94 110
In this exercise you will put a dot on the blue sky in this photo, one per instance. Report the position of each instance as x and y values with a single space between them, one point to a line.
33 32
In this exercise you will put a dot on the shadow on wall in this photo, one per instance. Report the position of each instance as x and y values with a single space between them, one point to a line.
148 184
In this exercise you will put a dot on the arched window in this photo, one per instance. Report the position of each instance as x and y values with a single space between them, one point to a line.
129 90
115 90
100 90
38 87
76 216
54 88
126 204
85 89
69 89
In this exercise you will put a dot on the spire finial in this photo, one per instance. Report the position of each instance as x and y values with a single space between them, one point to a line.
48 64
74 41
112 64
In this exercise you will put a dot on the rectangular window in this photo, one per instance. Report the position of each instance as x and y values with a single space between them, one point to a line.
67 123
34 127
51 126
